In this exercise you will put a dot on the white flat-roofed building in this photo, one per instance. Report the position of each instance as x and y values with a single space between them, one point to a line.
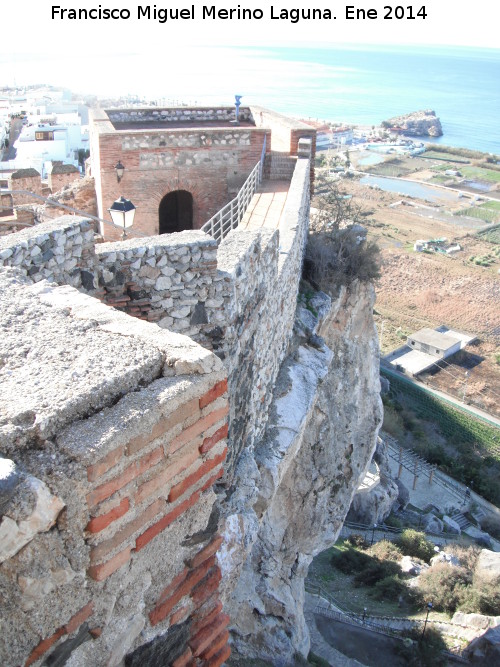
427 347
435 343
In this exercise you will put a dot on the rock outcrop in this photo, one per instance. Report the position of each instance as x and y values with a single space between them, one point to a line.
293 490
417 124
488 565
374 504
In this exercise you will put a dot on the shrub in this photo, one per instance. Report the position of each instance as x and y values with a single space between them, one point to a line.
414 543
337 251
375 572
482 597
350 561
393 522
491 524
393 422
317 660
389 588
340 256
426 652
467 556
445 586
357 540
385 550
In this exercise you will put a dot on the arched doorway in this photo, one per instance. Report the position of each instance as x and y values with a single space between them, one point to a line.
176 212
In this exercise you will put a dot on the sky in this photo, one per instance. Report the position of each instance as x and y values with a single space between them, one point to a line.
116 55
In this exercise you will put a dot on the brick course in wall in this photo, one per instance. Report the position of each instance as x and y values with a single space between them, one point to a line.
131 550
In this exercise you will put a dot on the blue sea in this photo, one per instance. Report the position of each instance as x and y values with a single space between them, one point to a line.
359 85
366 86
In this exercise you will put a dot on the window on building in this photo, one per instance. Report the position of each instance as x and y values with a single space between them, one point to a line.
44 136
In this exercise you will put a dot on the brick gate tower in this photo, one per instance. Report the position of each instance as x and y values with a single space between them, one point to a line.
181 165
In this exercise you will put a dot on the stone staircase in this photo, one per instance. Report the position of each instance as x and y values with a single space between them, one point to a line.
462 520
279 166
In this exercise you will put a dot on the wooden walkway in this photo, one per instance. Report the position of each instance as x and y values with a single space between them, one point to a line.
266 207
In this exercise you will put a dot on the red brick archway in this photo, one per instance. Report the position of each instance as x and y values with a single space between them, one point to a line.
175 212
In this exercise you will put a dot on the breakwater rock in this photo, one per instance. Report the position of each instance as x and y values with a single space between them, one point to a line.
417 124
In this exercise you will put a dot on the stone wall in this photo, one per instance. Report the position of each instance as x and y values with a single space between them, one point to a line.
30 181
229 299
142 467
170 279
179 114
264 270
106 494
285 131
62 251
79 194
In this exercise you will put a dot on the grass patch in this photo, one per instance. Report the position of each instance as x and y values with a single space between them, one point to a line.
456 152
481 213
440 179
445 157
491 205
491 235
481 174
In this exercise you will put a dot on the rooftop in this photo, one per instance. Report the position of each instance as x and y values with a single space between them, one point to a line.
438 339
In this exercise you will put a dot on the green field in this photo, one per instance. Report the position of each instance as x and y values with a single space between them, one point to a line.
493 234
483 212
481 174
492 205
439 178
445 157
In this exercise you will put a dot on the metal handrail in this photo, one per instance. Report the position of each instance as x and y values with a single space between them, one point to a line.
371 622
230 215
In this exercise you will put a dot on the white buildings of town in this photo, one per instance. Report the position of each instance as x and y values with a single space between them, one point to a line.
56 138
54 129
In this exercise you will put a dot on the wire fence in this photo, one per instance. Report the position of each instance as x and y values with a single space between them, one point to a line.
379 532
454 422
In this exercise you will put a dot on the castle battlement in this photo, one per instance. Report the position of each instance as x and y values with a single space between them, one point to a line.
135 375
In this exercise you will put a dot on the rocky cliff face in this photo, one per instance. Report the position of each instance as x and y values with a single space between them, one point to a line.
293 489
418 124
